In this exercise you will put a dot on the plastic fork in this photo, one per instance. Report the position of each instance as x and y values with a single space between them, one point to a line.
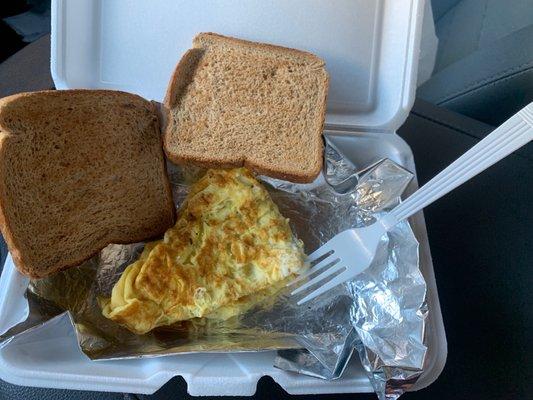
350 252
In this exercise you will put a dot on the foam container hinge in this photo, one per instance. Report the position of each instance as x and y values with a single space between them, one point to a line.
371 52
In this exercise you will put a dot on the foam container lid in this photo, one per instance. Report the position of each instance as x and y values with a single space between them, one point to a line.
370 46
371 52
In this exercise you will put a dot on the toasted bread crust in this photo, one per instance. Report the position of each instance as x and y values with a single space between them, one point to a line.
206 36
181 76
258 169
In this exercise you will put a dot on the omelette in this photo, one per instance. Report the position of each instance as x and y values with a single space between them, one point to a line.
229 242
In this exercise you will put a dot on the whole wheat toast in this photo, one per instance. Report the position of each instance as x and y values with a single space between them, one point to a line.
233 103
79 169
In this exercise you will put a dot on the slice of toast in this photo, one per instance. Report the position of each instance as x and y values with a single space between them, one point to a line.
79 169
233 103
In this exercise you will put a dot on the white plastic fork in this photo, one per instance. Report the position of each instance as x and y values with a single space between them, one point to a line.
350 252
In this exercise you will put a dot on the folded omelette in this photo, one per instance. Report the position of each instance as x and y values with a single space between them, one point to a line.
229 241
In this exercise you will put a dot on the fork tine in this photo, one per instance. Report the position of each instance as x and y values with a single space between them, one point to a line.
328 286
325 248
321 251
315 268
329 271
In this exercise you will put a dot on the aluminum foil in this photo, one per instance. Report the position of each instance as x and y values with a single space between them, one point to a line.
381 313
388 310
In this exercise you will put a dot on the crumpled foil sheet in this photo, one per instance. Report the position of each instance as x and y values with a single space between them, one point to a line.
381 313
389 309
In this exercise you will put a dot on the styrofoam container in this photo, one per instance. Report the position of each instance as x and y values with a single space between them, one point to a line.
371 50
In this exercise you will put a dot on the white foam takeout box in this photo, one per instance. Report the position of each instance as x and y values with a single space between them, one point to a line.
371 51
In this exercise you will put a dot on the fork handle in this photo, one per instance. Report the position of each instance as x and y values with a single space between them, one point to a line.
510 136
